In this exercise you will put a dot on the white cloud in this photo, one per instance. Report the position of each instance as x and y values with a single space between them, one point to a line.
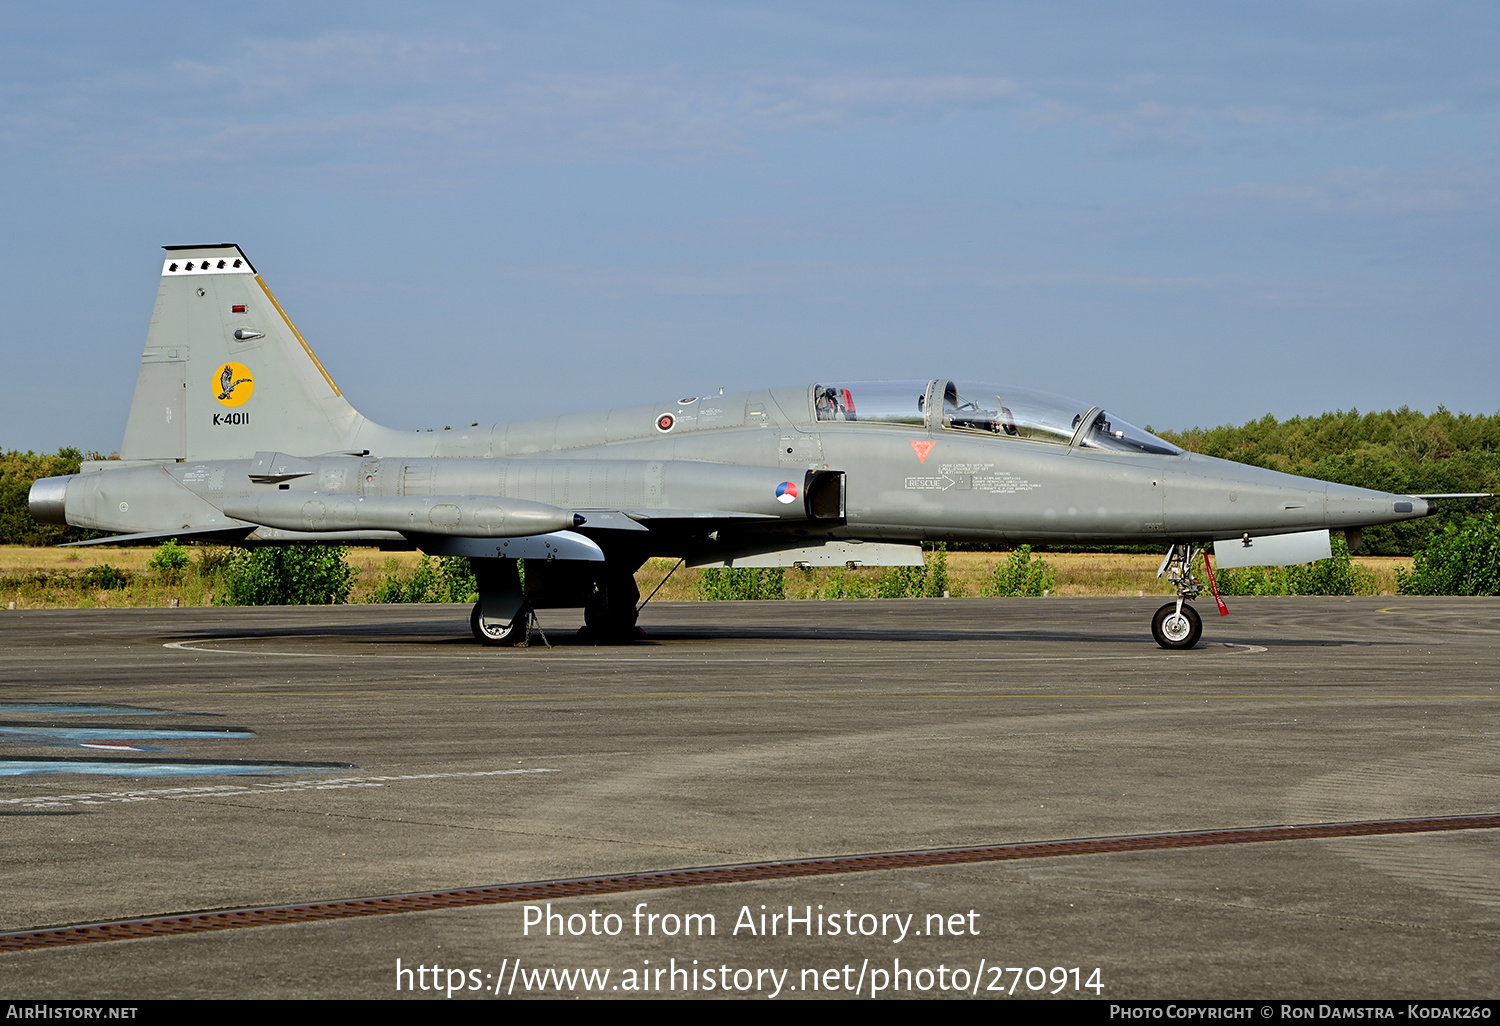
375 101
788 277
361 62
811 102
1379 190
375 97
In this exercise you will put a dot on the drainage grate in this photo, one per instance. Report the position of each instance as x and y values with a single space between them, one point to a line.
201 922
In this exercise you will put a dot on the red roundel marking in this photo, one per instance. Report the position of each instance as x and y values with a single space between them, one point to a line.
665 422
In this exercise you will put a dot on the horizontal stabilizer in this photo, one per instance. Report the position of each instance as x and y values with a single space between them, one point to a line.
219 534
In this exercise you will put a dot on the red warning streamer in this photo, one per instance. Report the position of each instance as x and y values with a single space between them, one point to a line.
1214 585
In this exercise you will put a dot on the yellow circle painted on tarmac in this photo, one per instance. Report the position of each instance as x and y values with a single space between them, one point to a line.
232 384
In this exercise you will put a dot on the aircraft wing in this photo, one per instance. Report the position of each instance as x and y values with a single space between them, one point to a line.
697 514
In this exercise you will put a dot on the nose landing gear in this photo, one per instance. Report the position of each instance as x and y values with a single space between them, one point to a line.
1177 624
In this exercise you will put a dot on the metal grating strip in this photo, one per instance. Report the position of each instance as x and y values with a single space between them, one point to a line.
200 922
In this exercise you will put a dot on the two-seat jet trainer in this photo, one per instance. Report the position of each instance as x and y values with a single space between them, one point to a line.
238 434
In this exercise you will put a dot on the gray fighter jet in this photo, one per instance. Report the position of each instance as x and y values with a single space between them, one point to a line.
238 434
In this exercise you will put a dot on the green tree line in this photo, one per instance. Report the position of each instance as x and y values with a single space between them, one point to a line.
17 472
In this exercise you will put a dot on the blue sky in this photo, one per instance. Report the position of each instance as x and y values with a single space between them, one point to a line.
1191 213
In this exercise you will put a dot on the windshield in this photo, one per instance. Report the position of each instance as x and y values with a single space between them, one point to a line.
1110 432
991 409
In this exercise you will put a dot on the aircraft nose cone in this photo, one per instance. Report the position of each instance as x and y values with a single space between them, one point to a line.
1354 507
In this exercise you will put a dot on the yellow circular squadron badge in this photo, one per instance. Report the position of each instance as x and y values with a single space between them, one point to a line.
232 384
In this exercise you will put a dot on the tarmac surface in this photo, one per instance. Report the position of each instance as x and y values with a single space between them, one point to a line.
175 760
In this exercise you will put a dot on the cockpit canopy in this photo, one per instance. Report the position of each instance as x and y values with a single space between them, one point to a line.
988 409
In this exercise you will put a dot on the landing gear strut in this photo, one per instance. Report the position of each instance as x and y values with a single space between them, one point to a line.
1177 624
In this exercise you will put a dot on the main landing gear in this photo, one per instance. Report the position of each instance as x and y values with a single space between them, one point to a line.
502 616
505 613
1177 624
498 633
609 615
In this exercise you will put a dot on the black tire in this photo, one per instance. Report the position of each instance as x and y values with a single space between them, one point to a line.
610 614
1172 631
512 633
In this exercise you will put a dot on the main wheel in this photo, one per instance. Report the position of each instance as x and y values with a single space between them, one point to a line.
1172 629
610 613
512 633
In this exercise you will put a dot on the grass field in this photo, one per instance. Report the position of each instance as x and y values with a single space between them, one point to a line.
70 578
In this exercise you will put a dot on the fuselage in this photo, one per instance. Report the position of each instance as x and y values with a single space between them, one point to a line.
910 477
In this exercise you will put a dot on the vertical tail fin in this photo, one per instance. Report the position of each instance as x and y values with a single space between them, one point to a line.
225 373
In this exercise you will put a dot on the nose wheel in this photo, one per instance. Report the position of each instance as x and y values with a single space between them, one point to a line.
1177 625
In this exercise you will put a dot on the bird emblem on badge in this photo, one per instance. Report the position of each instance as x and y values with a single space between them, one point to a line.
229 386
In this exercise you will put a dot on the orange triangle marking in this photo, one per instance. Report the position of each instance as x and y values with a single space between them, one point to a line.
923 448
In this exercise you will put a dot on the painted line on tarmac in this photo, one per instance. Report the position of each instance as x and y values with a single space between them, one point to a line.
350 908
81 709
53 766
1418 611
44 732
201 646
57 801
